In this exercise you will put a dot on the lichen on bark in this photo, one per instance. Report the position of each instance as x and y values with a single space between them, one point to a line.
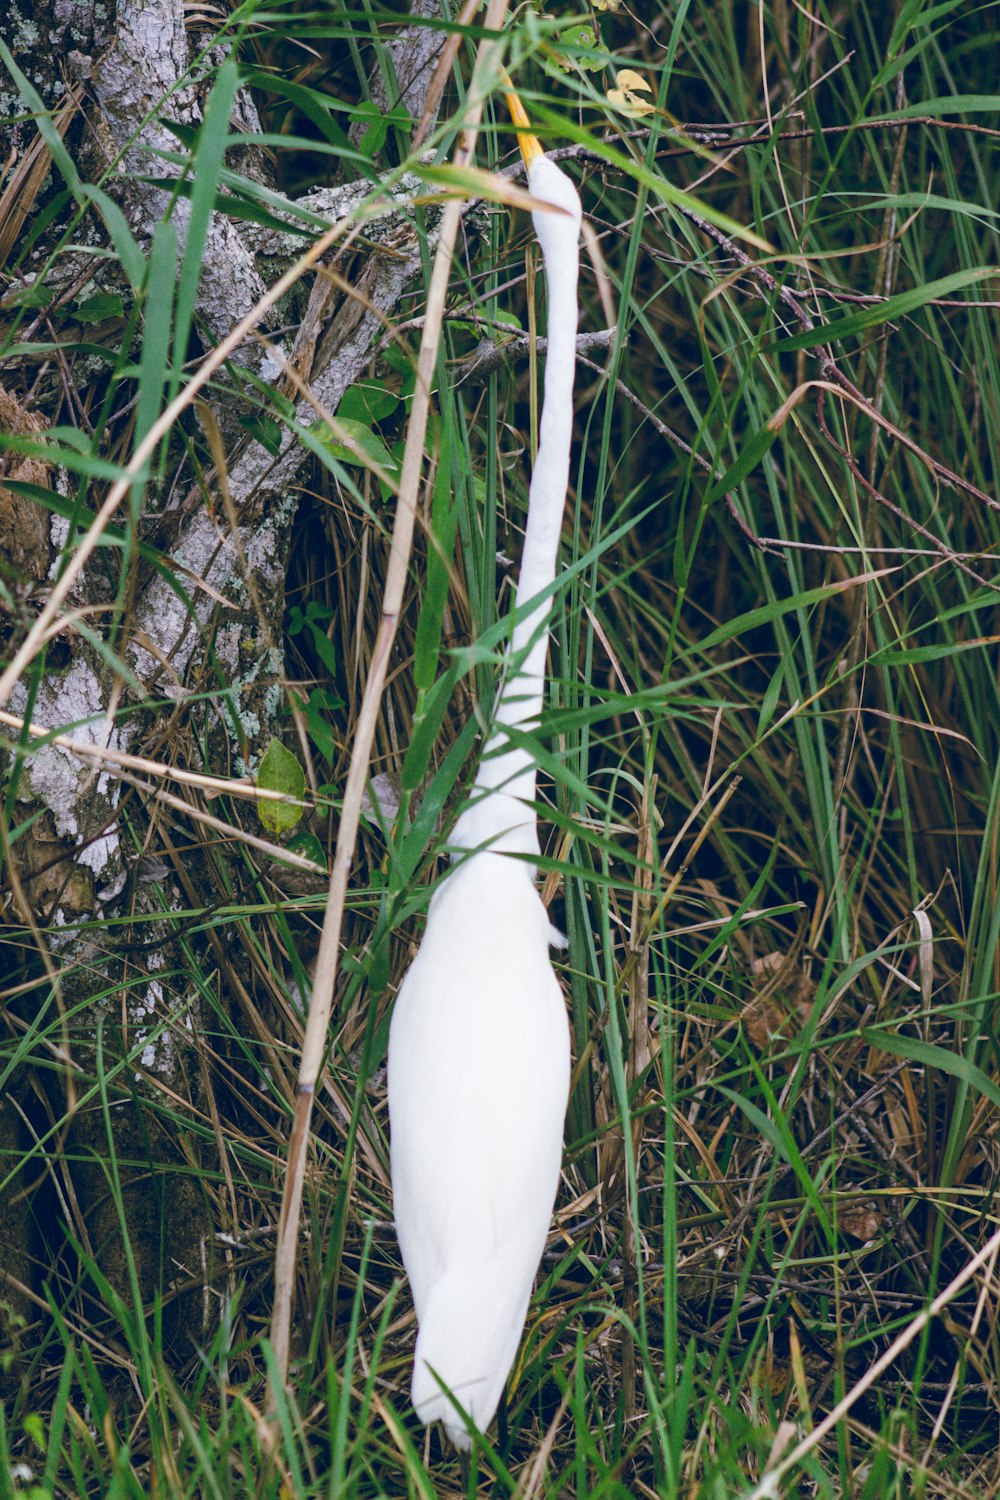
140 662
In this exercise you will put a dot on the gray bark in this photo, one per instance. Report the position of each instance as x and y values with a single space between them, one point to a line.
80 859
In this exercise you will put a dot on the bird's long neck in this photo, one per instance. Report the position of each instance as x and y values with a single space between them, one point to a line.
500 809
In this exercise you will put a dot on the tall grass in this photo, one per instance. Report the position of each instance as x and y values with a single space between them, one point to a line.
769 776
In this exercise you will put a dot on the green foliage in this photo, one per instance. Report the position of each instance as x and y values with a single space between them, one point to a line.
758 762
279 771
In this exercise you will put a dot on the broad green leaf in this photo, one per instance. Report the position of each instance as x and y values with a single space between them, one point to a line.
405 366
312 621
99 307
265 429
930 1056
280 771
320 710
374 137
354 443
579 47
367 402
308 845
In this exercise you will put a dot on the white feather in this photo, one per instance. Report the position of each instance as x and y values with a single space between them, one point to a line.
478 1080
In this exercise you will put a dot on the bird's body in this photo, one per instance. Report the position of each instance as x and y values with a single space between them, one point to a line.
486 1109
479 1056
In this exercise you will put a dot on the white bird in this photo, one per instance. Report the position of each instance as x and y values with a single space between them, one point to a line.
479 1059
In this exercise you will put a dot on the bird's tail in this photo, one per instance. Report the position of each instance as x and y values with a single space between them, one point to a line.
468 1337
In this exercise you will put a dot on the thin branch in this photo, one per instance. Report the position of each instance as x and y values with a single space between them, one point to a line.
767 1488
212 362
490 356
698 458
327 962
212 786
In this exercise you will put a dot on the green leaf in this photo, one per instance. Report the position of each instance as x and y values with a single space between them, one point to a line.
906 656
374 137
97 308
35 295
367 402
434 597
235 204
954 104
750 456
405 366
132 260
312 621
362 446
770 700
308 845
893 307
927 201
209 158
929 1056
310 102
265 429
778 607
319 709
46 125
282 405
72 458
280 772
578 48
157 316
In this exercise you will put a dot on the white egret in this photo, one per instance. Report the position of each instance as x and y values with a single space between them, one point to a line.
479 1055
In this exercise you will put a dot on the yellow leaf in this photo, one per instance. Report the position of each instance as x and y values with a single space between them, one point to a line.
607 4
627 96
628 103
627 79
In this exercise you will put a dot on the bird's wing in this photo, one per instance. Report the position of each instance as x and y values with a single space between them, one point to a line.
478 1079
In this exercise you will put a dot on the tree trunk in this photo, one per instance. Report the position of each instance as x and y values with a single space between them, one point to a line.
110 1015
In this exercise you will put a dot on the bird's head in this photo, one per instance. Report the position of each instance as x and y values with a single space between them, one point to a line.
546 181
531 146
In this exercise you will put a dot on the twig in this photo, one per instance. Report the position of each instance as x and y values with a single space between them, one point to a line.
767 1489
321 1000
699 458
212 786
490 356
118 491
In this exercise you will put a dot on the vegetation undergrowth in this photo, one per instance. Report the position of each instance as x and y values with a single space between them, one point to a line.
770 763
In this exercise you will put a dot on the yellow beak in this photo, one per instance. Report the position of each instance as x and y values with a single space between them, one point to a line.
531 148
